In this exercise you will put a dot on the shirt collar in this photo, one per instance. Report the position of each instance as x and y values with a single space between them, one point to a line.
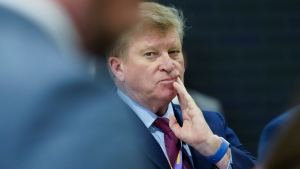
147 116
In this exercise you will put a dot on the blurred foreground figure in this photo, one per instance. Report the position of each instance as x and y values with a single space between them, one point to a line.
271 132
284 152
52 116
148 69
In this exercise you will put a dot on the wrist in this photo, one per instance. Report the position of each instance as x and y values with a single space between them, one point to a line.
220 153
209 147
225 162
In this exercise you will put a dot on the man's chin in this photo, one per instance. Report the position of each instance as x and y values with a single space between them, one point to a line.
169 95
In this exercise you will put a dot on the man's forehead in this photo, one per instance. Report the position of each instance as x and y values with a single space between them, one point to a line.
154 38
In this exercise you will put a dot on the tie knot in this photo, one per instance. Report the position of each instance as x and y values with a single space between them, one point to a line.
163 124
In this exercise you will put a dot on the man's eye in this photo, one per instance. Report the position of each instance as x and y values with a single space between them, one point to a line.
149 54
174 52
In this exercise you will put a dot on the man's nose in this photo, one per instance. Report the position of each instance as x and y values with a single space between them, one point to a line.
166 63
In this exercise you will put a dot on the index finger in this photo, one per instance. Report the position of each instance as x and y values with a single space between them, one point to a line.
184 98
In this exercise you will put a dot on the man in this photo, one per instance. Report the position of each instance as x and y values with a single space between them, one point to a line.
51 113
148 68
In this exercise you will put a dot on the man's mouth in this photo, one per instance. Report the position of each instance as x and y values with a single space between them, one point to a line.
168 80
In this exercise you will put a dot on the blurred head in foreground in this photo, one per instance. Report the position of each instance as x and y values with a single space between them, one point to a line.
146 60
100 22
285 152
52 114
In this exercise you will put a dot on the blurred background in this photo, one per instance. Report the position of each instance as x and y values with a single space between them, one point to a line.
247 55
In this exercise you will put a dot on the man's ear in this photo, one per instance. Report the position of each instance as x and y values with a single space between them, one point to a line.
117 67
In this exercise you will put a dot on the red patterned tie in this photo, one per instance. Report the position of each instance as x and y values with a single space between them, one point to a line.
172 143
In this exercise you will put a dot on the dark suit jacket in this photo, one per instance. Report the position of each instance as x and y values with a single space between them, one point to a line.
242 159
52 115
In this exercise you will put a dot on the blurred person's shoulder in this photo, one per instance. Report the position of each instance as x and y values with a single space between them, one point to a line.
272 129
279 121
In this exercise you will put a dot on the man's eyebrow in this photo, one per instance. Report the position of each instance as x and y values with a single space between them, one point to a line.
147 47
176 46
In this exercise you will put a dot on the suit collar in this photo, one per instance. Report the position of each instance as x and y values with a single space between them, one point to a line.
151 148
149 145
146 116
178 113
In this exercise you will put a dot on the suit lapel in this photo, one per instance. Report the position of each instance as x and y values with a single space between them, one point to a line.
152 150
178 113
150 146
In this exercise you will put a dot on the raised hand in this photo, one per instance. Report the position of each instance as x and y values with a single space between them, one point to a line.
195 131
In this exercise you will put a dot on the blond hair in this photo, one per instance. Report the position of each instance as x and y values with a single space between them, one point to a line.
152 17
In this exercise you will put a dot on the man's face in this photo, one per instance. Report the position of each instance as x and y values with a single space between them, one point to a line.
153 62
108 19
